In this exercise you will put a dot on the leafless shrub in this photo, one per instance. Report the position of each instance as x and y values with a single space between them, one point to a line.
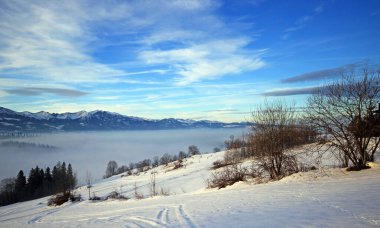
232 156
178 164
164 191
116 195
138 195
227 176
219 164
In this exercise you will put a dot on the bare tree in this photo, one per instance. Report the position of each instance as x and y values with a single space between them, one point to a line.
111 169
165 159
89 180
182 155
345 111
272 137
156 161
193 150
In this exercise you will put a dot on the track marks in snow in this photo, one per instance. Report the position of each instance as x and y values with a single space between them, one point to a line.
167 216
40 216
163 216
146 221
182 215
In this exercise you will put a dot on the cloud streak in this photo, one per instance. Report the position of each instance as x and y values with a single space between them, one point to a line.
316 75
292 91
302 22
33 91
329 73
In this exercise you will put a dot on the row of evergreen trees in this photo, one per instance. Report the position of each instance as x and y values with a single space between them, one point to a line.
39 183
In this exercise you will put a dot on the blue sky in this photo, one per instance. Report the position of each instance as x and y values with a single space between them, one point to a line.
199 59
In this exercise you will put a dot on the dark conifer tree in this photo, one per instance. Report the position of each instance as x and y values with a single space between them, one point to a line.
48 181
48 176
20 181
71 177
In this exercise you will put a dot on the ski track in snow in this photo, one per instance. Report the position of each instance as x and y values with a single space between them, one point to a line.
167 216
181 213
40 216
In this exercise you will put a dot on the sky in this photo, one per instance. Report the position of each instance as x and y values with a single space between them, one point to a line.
197 59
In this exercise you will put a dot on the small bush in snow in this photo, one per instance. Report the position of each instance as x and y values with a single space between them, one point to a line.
116 195
138 195
178 164
96 198
59 199
75 197
227 176
164 191
219 164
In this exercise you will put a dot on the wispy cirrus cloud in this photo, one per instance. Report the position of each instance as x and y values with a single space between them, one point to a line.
207 61
302 22
33 91
227 112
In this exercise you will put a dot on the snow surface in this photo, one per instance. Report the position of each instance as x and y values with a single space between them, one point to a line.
320 198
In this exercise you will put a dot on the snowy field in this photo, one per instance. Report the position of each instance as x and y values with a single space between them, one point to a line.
328 198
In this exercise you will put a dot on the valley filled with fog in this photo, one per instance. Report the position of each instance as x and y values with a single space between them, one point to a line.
91 151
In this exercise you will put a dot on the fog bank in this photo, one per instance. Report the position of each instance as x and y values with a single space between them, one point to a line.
92 150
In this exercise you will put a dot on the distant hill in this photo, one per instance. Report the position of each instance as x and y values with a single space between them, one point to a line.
95 120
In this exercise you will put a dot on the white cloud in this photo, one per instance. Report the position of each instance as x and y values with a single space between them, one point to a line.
46 41
206 61
55 42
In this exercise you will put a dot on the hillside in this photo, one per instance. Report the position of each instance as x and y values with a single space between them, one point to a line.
329 197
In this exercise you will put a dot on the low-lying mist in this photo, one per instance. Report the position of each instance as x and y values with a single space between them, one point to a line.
91 151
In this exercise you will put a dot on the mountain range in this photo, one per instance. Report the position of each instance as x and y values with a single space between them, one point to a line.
96 120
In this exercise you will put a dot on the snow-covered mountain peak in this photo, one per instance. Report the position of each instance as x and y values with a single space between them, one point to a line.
6 111
42 115
98 120
73 115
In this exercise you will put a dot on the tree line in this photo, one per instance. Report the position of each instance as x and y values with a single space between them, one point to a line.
146 164
30 145
39 183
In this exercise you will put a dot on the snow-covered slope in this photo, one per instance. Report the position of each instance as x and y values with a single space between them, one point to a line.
328 198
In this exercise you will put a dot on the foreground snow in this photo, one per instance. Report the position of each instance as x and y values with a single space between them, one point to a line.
332 198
